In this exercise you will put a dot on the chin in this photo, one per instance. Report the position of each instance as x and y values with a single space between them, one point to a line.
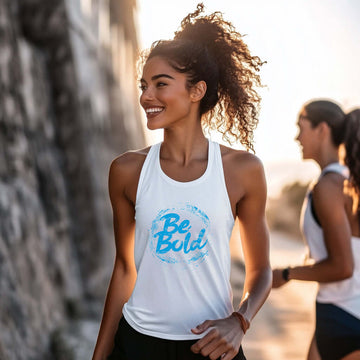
304 155
153 126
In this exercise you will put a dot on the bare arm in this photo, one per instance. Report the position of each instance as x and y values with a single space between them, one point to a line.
329 205
227 334
124 272
255 242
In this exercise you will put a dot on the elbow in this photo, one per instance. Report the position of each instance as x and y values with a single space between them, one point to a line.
346 270
124 266
349 271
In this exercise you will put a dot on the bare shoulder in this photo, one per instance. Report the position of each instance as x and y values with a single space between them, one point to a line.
330 185
129 163
244 176
328 193
125 171
242 162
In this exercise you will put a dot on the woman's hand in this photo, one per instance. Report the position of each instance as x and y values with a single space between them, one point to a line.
222 340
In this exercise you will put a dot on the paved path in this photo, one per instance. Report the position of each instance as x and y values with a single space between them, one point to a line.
284 326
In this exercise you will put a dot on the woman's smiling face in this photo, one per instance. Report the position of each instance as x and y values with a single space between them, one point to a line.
165 96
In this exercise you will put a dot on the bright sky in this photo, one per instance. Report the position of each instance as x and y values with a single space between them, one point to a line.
312 49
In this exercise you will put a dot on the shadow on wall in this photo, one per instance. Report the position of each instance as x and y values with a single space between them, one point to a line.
64 115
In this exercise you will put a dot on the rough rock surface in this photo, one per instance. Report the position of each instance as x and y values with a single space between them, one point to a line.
66 110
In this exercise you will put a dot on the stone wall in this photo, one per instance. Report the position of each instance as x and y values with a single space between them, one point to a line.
68 106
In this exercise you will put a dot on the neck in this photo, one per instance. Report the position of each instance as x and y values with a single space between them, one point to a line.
184 144
328 157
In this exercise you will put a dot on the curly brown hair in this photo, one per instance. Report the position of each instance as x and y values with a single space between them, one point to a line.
352 146
208 48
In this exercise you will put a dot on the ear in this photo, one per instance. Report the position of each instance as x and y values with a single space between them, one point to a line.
197 91
324 129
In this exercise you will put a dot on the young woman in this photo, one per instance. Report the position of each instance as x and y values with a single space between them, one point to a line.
330 223
174 205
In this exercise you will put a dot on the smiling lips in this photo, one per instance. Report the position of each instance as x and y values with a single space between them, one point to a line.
153 111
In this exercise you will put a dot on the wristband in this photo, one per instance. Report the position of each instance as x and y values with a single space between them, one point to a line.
244 323
285 274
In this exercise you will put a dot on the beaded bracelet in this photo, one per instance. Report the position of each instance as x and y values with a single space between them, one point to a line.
244 323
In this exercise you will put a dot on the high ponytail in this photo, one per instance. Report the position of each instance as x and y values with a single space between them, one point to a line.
352 146
207 48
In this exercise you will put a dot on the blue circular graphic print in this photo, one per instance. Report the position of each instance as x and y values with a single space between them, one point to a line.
180 235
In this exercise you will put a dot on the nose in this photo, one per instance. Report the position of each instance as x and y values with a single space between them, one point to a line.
147 95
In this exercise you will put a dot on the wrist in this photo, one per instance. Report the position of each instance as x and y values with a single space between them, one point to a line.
285 274
244 323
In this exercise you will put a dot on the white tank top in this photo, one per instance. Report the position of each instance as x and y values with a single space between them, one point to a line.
344 293
182 253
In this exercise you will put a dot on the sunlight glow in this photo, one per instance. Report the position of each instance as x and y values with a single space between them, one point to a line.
311 49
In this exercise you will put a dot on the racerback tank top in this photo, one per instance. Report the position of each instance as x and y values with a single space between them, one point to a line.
182 253
344 293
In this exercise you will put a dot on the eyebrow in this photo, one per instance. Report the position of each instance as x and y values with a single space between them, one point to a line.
155 77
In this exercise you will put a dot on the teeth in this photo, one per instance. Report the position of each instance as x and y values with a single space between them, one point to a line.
153 110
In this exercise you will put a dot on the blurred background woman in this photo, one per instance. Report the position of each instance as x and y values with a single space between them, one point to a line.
330 223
